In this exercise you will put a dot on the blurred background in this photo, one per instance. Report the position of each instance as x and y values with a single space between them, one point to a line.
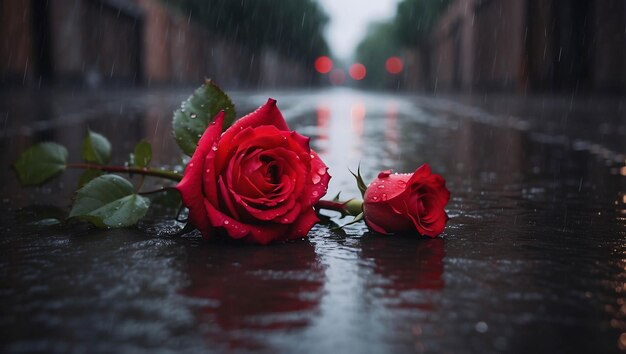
519 104
517 46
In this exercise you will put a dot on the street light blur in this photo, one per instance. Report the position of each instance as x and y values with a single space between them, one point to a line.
394 65
323 64
357 71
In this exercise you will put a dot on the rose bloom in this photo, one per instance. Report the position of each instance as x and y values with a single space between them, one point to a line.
257 181
407 202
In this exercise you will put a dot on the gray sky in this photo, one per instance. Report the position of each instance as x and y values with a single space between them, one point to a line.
349 20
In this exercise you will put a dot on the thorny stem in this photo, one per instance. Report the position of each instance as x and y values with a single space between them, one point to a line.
144 171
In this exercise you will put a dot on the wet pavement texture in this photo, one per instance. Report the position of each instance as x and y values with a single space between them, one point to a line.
532 259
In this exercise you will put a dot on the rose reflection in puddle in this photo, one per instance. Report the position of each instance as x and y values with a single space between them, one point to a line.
253 292
407 271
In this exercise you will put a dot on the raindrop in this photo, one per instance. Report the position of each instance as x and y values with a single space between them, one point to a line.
315 193
381 186
193 116
315 178
321 170
226 222
214 148
481 327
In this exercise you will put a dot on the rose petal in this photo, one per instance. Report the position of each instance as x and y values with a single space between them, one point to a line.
190 187
302 225
267 114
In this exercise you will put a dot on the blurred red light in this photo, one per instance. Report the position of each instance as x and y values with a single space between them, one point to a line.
394 65
337 77
323 64
357 71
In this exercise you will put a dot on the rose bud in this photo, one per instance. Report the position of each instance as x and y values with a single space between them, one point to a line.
407 202
257 181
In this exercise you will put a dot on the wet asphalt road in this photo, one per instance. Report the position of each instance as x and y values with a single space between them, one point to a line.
532 260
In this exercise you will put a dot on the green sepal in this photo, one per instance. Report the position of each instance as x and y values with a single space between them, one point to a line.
194 115
40 163
185 230
359 180
356 219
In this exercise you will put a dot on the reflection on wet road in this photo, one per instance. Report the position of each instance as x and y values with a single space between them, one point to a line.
532 259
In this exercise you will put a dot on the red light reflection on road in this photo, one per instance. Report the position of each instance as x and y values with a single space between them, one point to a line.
357 115
391 130
323 120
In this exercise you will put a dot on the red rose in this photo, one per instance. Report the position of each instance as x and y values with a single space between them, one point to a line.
404 202
257 181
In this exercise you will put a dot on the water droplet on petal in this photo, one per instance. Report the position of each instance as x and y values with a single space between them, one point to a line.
191 164
381 186
226 222
315 178
321 170
214 148
285 220
312 156
384 196
374 198
315 193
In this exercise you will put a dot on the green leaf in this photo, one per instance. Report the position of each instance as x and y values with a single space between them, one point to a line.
41 215
194 115
96 149
40 163
168 199
87 176
142 155
109 202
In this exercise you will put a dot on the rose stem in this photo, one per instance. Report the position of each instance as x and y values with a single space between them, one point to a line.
164 189
154 172
350 207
